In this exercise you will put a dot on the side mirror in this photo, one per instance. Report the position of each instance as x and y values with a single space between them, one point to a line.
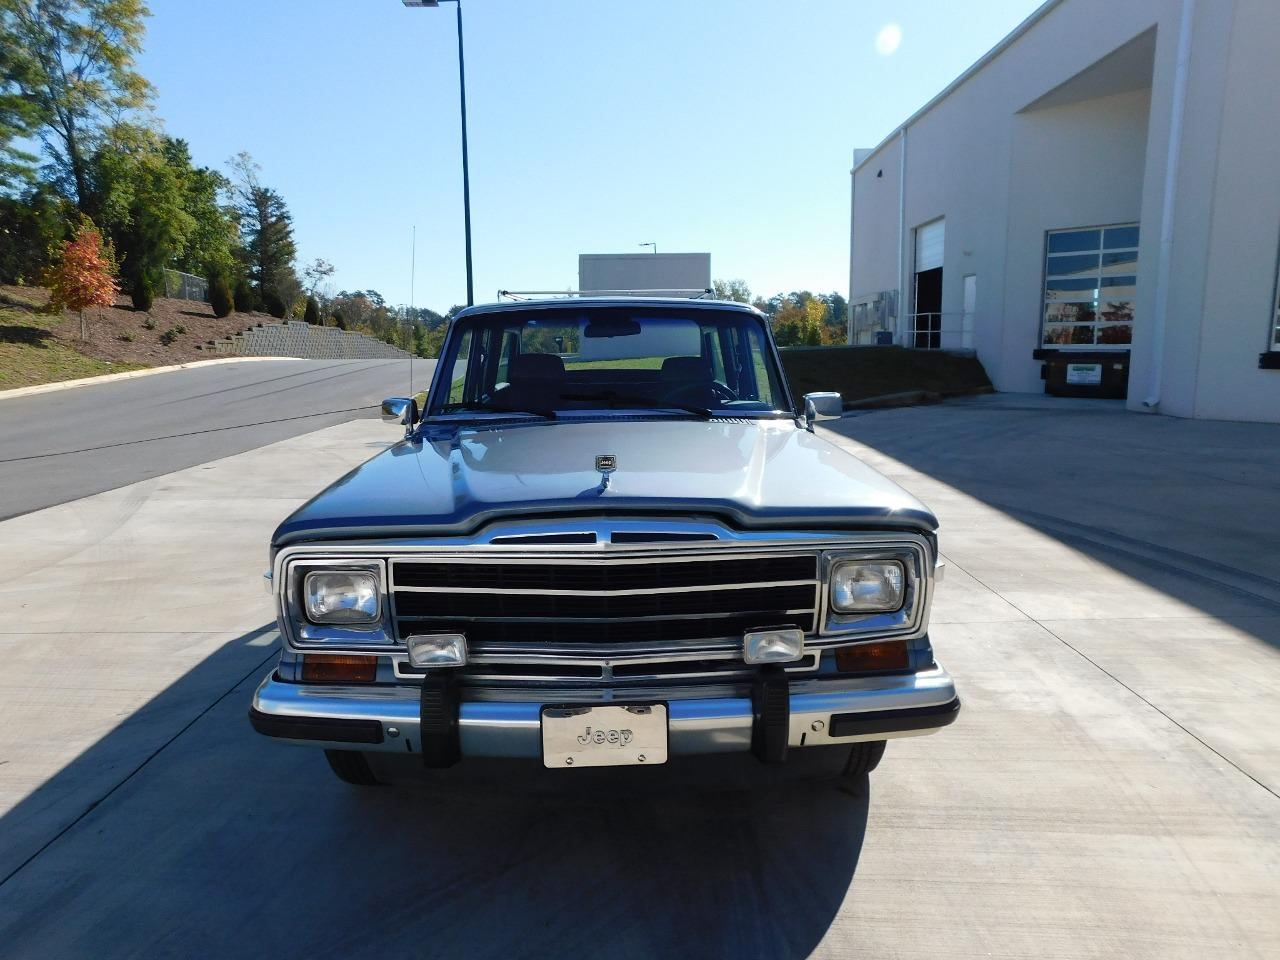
400 410
822 406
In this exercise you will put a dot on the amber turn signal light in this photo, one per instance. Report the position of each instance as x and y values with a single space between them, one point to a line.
865 657
339 669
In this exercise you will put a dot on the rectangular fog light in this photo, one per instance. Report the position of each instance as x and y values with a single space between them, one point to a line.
437 649
780 645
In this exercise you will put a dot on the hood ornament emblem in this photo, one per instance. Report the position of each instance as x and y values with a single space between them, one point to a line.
606 463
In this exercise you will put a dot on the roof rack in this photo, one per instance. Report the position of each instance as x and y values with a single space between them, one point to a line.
693 293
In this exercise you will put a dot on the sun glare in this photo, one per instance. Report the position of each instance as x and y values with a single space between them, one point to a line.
888 39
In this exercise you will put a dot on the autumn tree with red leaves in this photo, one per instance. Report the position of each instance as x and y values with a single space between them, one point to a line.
83 274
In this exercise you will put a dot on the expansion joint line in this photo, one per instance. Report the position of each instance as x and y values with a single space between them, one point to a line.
138 769
1101 669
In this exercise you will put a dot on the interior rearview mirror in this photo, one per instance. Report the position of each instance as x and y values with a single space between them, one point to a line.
822 406
402 410
611 327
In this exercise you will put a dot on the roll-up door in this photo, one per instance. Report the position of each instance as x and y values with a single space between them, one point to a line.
930 240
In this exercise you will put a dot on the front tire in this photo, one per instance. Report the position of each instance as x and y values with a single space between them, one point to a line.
351 767
863 758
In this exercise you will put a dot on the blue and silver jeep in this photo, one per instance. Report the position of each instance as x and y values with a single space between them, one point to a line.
611 537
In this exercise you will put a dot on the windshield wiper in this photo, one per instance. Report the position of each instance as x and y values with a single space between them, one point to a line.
480 406
617 400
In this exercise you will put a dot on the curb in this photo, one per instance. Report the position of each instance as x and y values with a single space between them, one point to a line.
126 375
905 399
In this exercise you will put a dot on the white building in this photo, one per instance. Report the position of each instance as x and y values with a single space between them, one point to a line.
1096 199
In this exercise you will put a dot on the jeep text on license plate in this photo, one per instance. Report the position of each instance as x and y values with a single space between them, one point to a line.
604 736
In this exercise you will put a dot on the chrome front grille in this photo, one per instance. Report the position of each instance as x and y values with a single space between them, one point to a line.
603 606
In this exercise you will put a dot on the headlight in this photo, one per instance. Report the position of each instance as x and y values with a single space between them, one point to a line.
342 597
867 586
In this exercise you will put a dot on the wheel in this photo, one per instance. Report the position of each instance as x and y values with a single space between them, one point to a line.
351 767
863 758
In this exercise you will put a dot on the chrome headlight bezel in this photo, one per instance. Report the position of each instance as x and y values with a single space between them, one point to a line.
909 618
306 632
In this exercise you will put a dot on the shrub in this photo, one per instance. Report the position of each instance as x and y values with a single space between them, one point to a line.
127 337
339 320
274 305
169 336
312 313
148 324
180 329
245 299
143 293
220 296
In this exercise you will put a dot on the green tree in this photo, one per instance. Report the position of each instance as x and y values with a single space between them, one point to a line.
312 312
139 197
31 224
211 241
220 296
266 236
245 299
735 290
71 64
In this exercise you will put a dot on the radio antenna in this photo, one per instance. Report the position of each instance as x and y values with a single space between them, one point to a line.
413 268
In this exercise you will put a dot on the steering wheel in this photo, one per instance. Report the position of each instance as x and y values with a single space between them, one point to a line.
722 392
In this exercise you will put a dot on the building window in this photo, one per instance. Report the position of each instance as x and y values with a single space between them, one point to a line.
1090 285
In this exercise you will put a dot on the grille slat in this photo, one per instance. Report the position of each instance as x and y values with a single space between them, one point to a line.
605 575
605 601
503 606
533 635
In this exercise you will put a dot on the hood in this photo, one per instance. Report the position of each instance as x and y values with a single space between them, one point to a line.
749 473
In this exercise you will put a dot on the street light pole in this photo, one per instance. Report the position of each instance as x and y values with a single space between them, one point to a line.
466 171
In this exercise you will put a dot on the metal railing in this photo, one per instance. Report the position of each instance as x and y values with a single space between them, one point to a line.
939 331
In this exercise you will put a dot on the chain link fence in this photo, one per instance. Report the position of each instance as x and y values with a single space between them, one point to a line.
185 286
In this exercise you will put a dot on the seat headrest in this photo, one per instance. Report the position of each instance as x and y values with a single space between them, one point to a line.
686 369
536 366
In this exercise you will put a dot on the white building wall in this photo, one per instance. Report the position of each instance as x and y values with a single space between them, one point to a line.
874 268
1043 134
1244 229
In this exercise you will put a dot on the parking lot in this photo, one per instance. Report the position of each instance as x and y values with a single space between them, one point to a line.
1110 611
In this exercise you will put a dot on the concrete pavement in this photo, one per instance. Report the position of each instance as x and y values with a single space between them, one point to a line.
68 444
1109 789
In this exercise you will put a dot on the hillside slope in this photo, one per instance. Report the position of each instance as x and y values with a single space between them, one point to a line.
37 347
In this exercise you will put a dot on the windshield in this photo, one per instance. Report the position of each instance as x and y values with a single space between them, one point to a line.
545 362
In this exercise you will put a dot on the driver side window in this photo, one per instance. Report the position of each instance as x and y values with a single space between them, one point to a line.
510 342
458 375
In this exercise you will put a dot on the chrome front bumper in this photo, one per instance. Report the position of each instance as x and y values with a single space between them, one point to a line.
821 712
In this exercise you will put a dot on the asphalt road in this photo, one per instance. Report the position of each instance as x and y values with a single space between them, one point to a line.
68 444
1110 611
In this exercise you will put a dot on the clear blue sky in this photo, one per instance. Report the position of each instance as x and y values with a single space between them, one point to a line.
720 125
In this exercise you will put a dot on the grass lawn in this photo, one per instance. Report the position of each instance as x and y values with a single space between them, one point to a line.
30 354
631 363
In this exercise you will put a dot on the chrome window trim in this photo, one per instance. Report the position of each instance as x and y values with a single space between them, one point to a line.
909 623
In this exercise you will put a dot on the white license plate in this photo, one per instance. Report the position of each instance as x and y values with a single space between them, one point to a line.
604 736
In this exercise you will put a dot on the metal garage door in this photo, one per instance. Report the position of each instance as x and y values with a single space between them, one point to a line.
930 239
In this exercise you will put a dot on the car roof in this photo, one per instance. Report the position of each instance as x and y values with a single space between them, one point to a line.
560 303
